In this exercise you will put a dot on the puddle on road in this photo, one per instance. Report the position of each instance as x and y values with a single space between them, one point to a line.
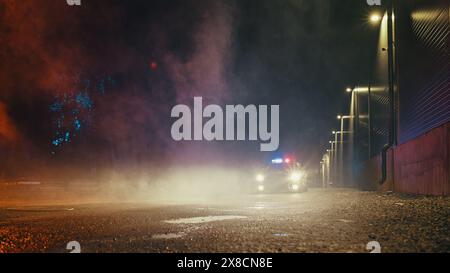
256 207
281 234
345 221
199 220
168 236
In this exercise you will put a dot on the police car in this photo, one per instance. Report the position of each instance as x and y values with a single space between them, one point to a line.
281 175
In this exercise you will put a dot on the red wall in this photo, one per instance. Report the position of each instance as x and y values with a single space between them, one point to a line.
422 165
419 166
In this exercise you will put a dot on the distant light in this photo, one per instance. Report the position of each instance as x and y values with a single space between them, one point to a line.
260 187
260 178
334 132
153 65
339 117
375 18
330 141
349 90
277 161
287 160
295 187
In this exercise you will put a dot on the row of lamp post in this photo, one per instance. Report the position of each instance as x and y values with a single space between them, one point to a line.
332 164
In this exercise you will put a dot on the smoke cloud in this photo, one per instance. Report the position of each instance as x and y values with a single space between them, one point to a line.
53 53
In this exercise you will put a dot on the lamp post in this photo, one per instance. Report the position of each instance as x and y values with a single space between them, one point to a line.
341 118
329 155
364 90
322 171
391 80
325 163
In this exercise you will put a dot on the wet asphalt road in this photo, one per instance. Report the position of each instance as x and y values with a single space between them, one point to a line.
320 220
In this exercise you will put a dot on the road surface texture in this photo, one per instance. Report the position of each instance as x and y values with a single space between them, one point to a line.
320 220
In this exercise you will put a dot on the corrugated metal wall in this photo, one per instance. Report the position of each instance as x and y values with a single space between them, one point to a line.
423 66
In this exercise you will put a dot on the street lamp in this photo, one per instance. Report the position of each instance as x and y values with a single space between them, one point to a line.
375 18
325 164
339 156
340 117
364 90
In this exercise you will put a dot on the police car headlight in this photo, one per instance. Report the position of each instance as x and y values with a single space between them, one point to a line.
260 178
296 176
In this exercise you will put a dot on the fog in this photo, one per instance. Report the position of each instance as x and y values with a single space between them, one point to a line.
181 185
86 92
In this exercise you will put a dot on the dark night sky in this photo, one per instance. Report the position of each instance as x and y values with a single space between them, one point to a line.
134 60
